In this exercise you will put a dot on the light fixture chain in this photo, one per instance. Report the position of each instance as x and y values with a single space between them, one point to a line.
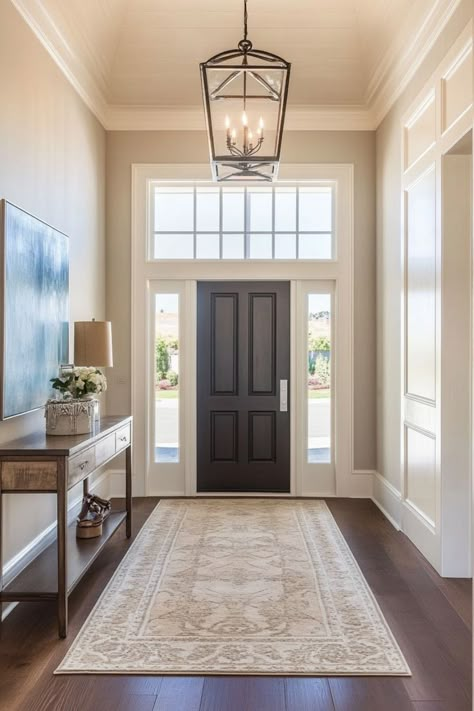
245 20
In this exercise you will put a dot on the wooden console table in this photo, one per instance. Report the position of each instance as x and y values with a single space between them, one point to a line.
42 464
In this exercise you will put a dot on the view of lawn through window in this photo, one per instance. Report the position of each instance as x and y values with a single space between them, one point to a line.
224 222
167 378
319 378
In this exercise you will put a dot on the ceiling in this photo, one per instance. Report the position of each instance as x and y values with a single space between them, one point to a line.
129 55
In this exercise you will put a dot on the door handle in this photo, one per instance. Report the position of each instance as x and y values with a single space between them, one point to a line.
283 395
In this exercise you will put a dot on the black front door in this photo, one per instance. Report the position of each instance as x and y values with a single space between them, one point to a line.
243 368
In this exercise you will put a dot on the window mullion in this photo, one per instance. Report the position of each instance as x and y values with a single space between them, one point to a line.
246 224
297 222
195 221
273 223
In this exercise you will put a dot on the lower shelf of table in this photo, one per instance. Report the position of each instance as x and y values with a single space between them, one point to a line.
40 576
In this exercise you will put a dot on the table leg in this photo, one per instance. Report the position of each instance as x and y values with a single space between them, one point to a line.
128 488
62 560
1 542
85 486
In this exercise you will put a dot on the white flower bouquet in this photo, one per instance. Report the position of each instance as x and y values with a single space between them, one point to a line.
77 411
80 382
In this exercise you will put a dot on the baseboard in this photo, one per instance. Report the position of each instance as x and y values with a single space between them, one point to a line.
19 562
421 531
388 499
361 486
116 483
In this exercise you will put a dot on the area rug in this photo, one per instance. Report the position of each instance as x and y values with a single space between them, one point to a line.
237 586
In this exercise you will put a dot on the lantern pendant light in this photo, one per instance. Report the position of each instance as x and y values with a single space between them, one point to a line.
245 93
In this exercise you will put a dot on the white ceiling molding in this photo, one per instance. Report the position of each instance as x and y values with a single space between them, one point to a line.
191 118
402 60
41 23
394 72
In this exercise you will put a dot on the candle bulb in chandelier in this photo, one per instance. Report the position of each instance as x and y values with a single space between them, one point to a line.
227 127
245 124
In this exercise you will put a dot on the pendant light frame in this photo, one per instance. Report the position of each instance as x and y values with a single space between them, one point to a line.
243 164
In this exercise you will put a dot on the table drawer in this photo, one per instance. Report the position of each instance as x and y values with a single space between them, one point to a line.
27 475
80 466
104 450
122 438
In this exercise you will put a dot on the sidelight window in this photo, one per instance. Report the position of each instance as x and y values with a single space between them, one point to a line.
209 222
319 379
167 371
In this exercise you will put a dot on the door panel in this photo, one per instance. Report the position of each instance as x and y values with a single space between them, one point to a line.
243 346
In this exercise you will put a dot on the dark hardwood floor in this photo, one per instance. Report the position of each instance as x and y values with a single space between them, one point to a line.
430 617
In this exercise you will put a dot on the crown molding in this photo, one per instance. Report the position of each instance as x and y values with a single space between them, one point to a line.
49 34
401 62
191 118
393 74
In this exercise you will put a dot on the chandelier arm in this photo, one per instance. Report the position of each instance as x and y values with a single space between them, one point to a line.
233 150
256 148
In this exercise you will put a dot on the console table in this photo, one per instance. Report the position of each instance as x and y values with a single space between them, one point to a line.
44 464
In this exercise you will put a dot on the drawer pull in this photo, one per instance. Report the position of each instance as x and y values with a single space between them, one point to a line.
123 438
83 465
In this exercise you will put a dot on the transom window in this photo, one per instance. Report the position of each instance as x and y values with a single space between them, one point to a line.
205 221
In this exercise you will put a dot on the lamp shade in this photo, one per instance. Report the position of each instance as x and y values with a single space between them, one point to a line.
93 343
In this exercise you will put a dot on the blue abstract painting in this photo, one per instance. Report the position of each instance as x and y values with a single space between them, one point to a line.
35 293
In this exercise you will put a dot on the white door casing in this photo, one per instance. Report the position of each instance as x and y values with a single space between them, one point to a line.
149 275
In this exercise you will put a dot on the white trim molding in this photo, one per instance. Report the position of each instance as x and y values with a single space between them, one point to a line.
396 68
388 499
60 50
402 61
191 118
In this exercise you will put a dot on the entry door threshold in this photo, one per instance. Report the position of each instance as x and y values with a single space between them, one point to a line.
244 494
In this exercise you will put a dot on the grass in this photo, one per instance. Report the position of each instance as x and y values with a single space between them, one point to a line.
319 394
174 394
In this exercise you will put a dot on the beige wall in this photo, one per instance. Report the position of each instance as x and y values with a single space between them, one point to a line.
127 147
52 164
388 191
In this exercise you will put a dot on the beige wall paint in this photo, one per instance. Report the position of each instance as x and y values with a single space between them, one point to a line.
127 147
52 164
389 230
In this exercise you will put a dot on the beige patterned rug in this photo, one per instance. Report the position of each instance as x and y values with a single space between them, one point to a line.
237 586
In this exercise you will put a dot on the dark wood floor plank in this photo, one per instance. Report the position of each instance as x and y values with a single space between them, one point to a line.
433 636
428 615
134 702
243 694
223 693
308 694
440 706
177 692
364 694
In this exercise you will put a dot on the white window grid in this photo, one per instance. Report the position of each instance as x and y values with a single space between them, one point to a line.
246 231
